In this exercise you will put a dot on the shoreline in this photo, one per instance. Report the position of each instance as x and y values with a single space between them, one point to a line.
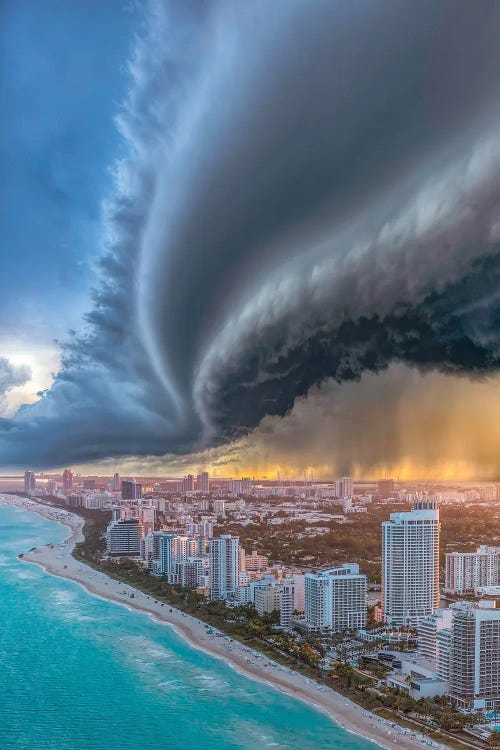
57 560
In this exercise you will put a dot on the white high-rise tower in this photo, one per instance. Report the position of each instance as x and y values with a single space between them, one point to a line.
224 566
410 564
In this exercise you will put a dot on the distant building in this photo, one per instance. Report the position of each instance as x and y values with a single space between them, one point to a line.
344 487
188 483
410 564
469 571
385 488
29 481
335 599
224 566
123 538
75 500
488 493
219 507
203 482
115 482
67 480
246 485
89 484
131 490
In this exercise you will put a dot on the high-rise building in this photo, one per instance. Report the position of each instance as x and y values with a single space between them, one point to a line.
123 538
246 485
203 482
131 490
428 630
167 560
190 572
224 566
67 480
343 487
468 571
385 488
287 603
29 480
175 549
410 564
115 482
474 666
335 599
188 483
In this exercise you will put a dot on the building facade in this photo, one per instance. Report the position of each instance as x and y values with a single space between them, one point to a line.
410 564
474 666
224 566
335 599
468 571
123 538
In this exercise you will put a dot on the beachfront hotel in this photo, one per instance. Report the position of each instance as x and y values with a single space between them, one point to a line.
335 599
224 566
410 564
123 538
474 658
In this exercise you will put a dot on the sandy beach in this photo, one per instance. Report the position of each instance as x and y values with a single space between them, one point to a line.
57 560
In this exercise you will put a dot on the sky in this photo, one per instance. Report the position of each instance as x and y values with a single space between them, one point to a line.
251 237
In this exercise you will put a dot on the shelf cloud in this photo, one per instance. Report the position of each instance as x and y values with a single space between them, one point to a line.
310 194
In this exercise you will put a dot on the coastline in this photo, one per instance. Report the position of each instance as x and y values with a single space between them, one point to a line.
57 560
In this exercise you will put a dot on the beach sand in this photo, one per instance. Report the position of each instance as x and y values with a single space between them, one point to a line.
57 560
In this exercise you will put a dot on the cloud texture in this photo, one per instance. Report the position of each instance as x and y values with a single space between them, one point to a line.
310 193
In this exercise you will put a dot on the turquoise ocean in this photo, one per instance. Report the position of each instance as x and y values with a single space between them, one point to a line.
80 673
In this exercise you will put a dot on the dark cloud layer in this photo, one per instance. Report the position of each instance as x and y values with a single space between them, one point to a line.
311 192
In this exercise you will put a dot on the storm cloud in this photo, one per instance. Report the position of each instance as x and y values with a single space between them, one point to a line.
311 192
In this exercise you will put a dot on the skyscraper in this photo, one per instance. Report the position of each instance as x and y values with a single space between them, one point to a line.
474 666
67 480
224 566
115 482
343 487
29 480
203 482
188 483
410 564
335 599
131 490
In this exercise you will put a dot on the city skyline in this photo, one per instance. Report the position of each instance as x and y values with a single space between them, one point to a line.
288 262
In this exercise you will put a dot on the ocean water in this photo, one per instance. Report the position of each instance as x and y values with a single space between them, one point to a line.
80 673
